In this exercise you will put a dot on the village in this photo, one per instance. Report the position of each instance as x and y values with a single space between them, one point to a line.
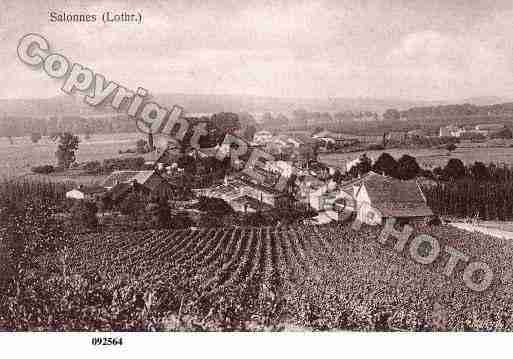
320 192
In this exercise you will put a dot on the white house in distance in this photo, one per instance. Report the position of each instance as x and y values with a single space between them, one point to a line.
262 137
450 131
380 197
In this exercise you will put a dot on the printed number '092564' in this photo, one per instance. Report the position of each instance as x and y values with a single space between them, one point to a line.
106 341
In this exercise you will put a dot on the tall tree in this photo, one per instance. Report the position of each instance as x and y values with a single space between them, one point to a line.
363 166
407 167
454 169
392 114
68 144
226 122
386 164
479 171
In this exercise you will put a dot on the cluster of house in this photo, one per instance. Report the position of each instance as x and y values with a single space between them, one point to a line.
335 139
298 143
372 197
485 130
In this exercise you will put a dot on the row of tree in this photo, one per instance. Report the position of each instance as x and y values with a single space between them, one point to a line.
51 126
455 111
472 199
406 167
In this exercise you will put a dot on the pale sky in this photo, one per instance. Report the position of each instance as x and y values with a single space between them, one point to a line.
415 49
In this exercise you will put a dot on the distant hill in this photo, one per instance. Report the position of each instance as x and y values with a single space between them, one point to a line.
486 100
65 105
73 105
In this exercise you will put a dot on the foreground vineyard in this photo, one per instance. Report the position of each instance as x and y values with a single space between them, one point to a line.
328 277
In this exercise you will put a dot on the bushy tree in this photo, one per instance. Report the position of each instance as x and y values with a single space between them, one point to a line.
454 169
479 171
392 114
407 167
226 122
362 167
45 169
68 144
216 205
386 164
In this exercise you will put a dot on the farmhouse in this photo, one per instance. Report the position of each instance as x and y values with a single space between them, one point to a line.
380 197
119 183
118 177
149 179
335 138
398 136
450 131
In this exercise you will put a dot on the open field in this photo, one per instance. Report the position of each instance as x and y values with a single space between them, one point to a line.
430 158
18 158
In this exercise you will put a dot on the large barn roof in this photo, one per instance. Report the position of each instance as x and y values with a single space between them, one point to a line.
118 177
395 198
126 176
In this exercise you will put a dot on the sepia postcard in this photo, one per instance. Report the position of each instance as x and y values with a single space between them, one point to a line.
256 166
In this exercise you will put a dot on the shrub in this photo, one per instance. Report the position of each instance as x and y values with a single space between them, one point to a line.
216 205
133 204
116 164
92 167
45 169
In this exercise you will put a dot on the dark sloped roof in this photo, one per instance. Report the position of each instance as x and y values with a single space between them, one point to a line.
251 203
127 176
118 177
396 198
142 176
248 181
92 189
